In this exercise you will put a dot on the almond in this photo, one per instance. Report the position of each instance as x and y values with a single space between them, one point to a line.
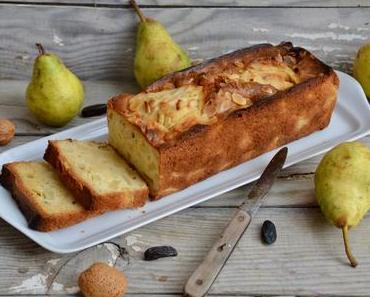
161 118
238 99
147 107
178 104
7 131
267 89
234 76
227 95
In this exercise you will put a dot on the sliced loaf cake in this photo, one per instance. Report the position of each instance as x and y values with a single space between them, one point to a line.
97 176
46 203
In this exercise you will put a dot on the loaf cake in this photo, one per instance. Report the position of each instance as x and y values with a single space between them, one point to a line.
43 199
207 118
97 176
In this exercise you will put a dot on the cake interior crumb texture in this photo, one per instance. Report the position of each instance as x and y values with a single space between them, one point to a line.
99 166
133 146
44 186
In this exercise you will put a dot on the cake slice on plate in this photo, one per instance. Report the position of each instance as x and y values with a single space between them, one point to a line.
97 176
46 203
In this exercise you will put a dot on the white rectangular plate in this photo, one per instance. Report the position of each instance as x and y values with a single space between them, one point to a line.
351 120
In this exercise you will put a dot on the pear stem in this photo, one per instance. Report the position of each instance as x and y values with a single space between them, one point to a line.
138 11
40 48
350 257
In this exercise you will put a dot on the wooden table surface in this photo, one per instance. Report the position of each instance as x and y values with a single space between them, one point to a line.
96 39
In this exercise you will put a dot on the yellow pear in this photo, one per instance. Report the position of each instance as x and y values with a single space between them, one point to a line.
55 94
342 186
361 68
157 54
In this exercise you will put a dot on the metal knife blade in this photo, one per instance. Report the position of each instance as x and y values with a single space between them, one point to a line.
203 277
257 194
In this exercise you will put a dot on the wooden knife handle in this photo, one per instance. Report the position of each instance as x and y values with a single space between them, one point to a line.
203 277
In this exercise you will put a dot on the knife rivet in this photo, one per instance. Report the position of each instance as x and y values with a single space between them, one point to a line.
241 218
199 282
221 247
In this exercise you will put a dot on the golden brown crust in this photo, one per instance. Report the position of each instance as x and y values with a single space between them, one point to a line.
36 217
246 134
225 62
84 193
225 84
271 121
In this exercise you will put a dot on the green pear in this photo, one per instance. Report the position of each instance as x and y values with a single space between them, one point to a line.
342 186
361 68
55 94
157 54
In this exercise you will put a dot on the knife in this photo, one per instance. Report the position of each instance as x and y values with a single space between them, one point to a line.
203 277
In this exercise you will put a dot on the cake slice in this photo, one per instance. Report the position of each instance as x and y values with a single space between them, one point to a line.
41 196
97 176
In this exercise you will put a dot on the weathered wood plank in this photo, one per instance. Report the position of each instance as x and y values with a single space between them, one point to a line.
210 3
134 295
308 255
98 43
306 245
16 141
141 295
12 104
12 92
137 295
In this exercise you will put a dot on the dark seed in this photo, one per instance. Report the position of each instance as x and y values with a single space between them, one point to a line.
93 110
268 232
157 252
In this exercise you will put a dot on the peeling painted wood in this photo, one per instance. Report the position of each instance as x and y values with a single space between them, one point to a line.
12 104
47 273
306 245
99 43
137 295
222 3
16 141
12 92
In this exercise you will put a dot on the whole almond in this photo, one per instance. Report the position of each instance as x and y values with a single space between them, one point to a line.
238 99
147 107
7 131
